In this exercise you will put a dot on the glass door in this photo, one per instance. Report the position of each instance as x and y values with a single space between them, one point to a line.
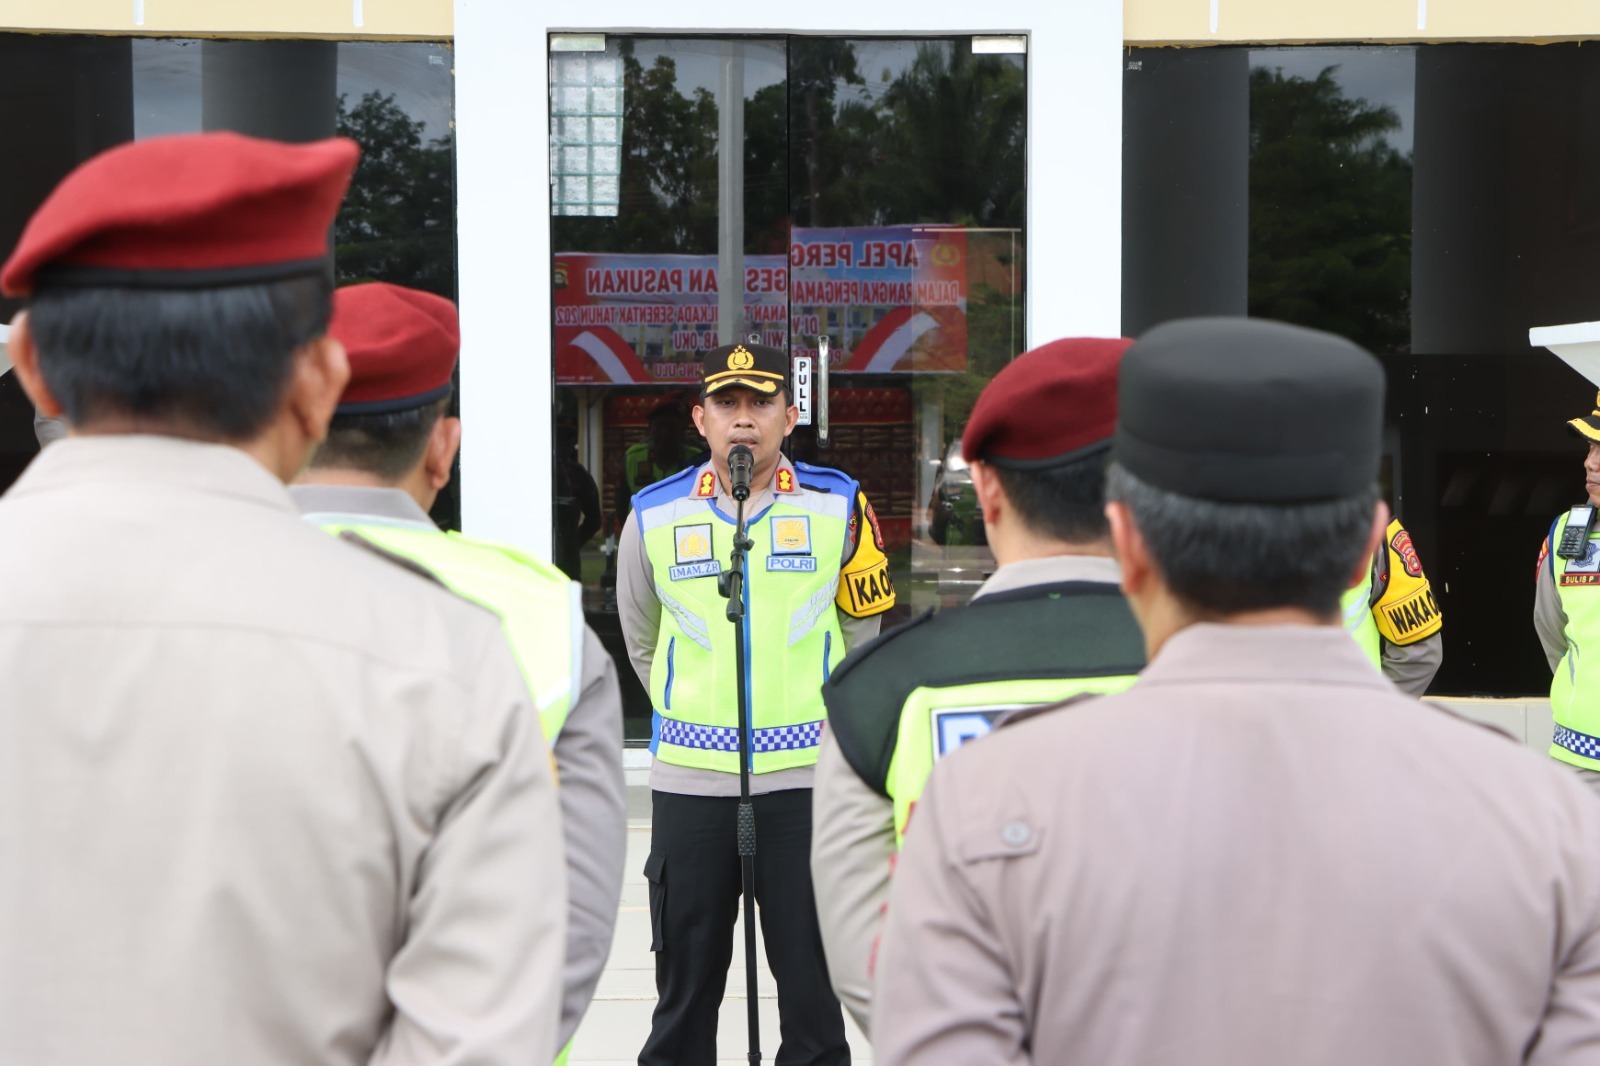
869 193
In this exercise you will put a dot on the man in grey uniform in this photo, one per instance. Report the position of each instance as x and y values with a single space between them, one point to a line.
388 453
266 798
1048 624
1260 853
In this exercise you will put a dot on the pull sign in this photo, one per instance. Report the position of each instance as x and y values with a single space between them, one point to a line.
801 377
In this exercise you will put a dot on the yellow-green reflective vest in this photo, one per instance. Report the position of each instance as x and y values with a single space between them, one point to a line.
540 609
1575 687
792 639
922 690
1356 607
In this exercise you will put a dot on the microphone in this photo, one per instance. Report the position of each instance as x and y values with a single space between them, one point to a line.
741 464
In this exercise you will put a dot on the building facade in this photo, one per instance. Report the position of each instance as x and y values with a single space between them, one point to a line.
931 188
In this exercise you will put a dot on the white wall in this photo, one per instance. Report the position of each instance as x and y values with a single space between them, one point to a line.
502 189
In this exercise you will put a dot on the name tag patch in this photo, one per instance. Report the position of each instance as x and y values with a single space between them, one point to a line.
957 726
799 564
685 571
693 543
791 535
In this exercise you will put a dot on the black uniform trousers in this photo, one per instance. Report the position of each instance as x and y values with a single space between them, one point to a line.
693 872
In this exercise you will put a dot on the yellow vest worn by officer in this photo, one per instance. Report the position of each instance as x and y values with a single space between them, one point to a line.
541 609
1395 603
795 588
922 690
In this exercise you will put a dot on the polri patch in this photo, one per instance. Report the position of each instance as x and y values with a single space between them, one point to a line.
796 564
693 543
791 535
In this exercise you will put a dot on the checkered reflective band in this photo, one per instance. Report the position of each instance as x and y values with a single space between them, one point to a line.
726 738
1577 743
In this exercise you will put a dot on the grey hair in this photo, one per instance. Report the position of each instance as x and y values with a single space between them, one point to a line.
1225 558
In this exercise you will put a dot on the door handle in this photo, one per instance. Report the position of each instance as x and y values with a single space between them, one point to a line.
822 391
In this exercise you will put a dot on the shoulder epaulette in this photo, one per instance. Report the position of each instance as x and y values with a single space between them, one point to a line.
823 478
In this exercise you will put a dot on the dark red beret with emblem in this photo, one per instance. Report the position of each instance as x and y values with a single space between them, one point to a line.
402 345
1048 406
192 211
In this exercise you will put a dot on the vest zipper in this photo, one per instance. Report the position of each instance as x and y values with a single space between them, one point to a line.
672 643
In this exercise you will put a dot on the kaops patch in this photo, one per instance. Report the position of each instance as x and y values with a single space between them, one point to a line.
867 591
791 535
959 725
692 543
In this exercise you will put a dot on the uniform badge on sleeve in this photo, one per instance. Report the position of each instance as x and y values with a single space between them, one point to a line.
693 552
1407 552
785 479
706 486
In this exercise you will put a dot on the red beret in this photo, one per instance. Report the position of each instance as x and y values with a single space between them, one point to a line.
1053 404
192 211
402 345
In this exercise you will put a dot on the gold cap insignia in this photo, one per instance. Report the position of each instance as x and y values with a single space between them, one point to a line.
740 359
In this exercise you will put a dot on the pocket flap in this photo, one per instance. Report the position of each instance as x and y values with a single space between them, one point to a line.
654 866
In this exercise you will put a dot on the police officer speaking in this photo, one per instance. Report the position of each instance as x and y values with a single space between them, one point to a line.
817 580
265 797
1050 623
388 452
1566 613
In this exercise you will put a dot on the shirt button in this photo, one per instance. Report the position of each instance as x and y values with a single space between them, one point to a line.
1016 834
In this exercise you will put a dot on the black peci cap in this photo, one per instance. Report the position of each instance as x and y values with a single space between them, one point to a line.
755 366
1239 410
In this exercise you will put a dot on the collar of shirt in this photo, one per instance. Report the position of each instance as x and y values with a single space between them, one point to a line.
1052 570
134 459
760 498
351 504
1213 651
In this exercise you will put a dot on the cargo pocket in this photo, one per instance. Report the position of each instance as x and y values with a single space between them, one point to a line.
654 867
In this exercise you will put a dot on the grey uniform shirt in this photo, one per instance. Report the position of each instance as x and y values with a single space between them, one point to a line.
852 843
588 755
265 797
1316 870
640 611
1549 617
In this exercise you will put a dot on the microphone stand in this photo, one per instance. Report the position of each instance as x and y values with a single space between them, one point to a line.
732 585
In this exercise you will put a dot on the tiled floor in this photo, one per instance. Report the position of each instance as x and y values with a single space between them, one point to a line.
619 1020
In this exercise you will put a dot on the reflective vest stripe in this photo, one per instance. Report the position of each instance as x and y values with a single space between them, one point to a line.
723 738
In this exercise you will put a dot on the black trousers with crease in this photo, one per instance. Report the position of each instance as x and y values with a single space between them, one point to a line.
693 870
